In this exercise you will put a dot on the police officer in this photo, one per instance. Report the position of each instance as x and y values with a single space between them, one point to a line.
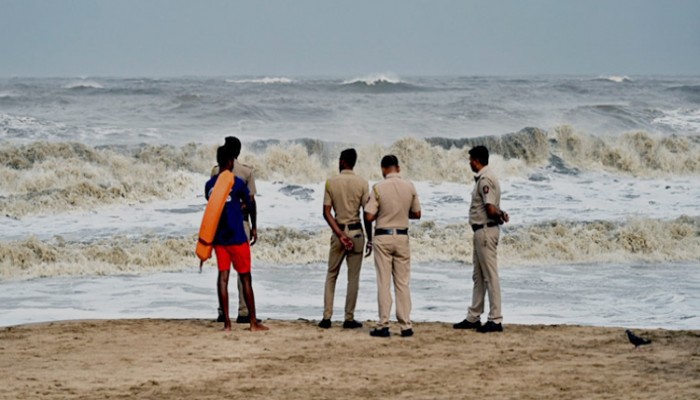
345 194
249 219
485 216
392 202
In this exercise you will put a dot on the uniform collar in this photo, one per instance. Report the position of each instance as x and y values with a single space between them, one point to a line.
392 175
481 173
347 171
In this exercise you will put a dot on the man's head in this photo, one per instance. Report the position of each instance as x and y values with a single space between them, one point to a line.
224 157
478 158
390 164
348 158
234 145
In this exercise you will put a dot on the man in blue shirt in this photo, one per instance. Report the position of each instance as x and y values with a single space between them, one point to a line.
230 241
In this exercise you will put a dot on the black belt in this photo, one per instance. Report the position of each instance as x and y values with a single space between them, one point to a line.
382 231
351 227
476 227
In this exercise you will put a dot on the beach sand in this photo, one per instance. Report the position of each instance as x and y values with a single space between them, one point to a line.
168 359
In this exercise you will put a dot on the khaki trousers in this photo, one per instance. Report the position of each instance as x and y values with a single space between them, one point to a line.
392 259
485 275
336 255
242 308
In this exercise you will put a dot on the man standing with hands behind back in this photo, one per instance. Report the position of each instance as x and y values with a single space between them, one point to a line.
345 194
392 202
485 216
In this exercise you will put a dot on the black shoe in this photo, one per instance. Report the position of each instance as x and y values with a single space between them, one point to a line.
352 324
325 323
384 332
467 325
245 319
221 317
490 327
407 332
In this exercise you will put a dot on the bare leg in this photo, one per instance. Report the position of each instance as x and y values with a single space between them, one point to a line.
246 280
222 289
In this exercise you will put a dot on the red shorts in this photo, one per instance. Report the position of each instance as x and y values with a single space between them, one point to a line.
238 254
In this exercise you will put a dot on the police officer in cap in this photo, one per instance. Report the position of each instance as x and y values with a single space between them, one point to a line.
485 217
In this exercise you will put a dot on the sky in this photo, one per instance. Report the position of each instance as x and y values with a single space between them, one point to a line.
330 38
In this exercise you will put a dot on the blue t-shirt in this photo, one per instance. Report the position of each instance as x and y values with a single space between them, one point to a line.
230 229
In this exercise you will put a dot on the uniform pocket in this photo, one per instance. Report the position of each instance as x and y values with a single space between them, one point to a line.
358 243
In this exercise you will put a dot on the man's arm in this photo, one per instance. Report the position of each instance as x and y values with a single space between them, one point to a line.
370 217
254 209
368 234
414 214
497 214
344 239
371 209
253 220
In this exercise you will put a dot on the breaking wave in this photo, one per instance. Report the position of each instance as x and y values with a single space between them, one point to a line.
43 177
82 85
551 243
381 83
615 78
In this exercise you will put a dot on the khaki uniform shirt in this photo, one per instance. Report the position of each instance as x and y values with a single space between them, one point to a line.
486 191
346 193
391 200
246 174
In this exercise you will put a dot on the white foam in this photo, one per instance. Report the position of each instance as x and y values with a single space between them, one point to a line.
22 128
264 81
615 78
684 120
375 79
587 197
589 218
84 84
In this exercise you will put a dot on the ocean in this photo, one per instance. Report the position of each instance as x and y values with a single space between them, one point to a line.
101 192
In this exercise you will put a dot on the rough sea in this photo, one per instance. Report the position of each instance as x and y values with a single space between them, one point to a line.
101 192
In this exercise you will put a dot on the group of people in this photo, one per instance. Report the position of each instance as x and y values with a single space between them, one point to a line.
350 208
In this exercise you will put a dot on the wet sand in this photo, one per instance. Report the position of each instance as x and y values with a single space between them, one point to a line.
170 359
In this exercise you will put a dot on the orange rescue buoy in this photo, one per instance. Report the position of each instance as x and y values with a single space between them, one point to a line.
212 214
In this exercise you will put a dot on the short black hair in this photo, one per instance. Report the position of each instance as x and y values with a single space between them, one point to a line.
223 156
481 154
234 144
390 161
349 156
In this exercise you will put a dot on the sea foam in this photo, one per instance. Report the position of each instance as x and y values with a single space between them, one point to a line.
549 243
46 177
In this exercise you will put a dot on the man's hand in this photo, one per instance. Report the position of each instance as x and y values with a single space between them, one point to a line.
253 236
368 248
346 241
504 217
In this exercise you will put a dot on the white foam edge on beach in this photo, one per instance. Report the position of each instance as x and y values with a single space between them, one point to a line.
627 295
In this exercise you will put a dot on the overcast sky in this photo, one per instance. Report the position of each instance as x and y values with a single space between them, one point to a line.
331 38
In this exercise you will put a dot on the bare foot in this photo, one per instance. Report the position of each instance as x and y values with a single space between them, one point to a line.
258 327
227 328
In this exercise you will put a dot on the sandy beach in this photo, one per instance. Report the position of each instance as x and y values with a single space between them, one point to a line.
166 359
